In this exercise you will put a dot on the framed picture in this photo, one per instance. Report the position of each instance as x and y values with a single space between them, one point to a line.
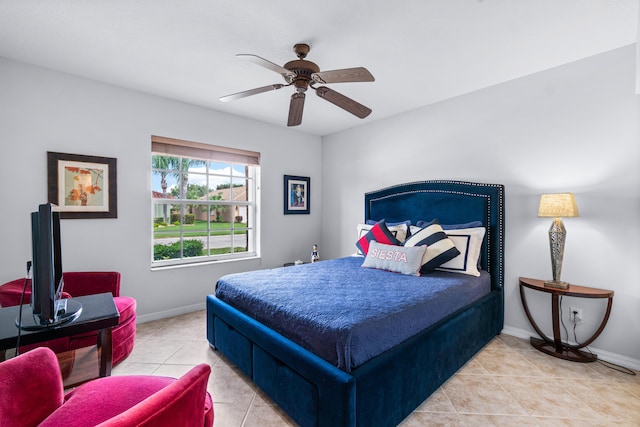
82 186
297 196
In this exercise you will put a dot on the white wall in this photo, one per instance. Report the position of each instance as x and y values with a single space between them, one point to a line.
42 111
574 128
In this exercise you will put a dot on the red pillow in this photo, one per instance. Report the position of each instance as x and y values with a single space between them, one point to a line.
380 233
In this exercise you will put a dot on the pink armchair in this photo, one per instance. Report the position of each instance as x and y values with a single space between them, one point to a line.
78 284
31 394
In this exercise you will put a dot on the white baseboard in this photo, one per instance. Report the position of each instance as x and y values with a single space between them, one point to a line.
604 355
170 313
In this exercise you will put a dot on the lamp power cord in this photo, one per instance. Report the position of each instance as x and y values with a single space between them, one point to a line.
609 365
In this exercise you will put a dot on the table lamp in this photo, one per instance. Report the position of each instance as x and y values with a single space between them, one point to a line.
556 206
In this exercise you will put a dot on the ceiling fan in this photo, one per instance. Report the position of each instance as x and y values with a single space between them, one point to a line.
303 74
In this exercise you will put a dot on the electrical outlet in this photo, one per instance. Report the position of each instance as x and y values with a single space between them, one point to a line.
576 315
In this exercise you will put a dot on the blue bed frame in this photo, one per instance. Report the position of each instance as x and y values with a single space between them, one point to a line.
387 388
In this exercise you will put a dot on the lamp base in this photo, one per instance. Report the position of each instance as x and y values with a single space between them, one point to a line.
556 284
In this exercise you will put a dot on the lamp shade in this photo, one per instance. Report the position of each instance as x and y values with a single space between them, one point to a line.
558 205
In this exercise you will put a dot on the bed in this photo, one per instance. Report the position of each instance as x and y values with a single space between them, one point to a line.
380 388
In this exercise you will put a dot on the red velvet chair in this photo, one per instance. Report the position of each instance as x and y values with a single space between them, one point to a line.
31 394
78 284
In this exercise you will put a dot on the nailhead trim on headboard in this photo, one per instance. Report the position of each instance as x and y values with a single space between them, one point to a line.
448 187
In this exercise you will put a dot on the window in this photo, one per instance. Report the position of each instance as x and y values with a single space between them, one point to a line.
204 202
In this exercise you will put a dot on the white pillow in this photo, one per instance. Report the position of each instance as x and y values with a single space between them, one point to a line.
399 259
469 242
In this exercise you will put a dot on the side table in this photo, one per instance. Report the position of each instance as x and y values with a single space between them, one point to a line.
555 347
99 313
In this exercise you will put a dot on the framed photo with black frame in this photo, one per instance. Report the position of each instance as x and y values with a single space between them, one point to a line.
82 186
297 194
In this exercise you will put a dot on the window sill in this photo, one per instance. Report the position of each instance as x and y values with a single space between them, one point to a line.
184 264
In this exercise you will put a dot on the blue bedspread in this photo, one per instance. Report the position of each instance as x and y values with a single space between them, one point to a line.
345 313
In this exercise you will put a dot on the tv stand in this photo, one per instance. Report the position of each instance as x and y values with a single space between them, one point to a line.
99 313
67 310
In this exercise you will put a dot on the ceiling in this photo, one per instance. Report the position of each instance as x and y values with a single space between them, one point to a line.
419 51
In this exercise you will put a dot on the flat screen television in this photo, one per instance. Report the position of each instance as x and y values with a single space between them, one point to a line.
47 283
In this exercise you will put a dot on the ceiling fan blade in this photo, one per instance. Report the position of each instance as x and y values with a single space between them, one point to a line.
343 102
295 109
250 92
287 74
345 75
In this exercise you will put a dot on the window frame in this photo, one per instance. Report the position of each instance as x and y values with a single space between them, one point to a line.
233 157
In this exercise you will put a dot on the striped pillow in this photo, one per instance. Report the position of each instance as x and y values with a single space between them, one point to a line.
440 248
380 233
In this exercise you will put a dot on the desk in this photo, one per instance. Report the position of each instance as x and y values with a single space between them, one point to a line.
555 347
99 313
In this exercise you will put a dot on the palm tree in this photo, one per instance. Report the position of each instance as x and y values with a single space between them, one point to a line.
185 165
163 164
160 165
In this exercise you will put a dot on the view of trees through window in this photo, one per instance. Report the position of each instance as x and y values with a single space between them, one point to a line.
202 209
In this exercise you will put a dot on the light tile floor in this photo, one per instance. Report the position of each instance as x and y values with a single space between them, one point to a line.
507 384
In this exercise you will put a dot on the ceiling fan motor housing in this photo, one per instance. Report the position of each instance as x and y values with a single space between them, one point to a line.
303 70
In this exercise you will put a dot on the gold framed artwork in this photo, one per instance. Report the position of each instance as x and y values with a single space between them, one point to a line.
82 186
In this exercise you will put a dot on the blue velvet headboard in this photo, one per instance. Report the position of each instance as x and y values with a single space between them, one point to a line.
450 202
